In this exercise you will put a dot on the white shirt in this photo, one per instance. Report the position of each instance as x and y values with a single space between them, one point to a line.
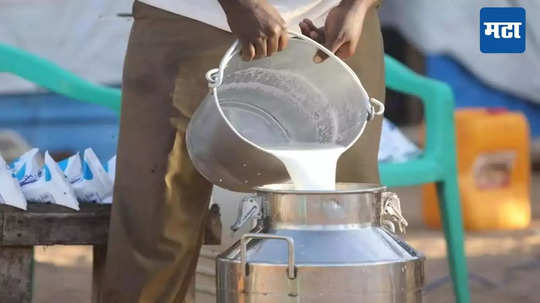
210 11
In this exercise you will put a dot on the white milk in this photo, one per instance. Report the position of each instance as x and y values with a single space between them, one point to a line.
310 166
258 101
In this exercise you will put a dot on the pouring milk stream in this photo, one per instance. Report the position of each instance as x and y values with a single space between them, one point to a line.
310 166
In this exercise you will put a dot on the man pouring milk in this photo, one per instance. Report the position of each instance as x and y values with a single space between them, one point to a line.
160 200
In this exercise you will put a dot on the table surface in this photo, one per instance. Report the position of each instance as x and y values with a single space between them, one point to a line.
50 224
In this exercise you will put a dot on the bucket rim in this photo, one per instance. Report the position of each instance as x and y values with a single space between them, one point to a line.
215 78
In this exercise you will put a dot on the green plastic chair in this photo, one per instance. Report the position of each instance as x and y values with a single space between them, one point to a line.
49 75
436 164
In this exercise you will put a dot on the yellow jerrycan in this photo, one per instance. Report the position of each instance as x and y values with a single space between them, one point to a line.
494 171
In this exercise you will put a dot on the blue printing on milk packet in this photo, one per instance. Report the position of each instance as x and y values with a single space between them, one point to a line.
72 168
10 190
89 178
27 167
46 184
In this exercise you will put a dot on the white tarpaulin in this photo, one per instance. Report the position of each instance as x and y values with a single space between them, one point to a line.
82 36
452 27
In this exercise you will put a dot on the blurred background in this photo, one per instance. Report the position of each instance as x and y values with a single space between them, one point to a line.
439 39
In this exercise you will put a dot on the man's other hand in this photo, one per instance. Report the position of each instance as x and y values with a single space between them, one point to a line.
342 28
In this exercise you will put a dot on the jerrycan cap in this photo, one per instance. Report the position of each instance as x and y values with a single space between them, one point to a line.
496 110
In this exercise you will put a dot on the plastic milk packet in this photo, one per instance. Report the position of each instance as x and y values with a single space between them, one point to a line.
89 179
395 147
46 184
10 190
111 170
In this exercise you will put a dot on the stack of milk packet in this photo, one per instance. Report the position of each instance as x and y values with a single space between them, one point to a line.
34 178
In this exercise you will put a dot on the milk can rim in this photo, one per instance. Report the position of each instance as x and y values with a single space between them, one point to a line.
356 188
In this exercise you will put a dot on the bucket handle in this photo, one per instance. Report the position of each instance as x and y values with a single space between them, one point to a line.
376 108
215 76
291 272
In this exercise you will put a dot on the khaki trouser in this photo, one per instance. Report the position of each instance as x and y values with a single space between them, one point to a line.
160 201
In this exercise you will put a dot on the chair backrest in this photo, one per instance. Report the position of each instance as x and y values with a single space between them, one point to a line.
438 101
49 75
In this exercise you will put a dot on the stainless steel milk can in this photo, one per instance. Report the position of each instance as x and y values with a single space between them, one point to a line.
322 247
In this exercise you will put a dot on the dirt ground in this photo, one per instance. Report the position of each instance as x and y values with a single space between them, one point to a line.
503 266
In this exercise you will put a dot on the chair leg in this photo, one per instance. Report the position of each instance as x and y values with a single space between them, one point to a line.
450 207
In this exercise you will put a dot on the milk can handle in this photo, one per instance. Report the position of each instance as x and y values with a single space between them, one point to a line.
215 76
291 273
391 214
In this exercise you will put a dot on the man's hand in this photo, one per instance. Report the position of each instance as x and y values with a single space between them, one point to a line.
258 25
342 28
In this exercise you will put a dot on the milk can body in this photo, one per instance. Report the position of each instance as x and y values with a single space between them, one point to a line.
320 247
